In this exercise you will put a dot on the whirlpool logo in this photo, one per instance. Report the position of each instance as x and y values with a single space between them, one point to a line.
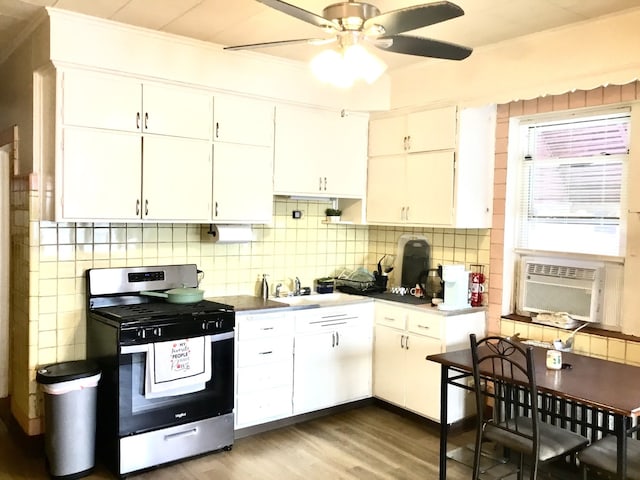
180 415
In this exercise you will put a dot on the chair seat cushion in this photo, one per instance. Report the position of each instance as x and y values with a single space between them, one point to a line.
554 441
603 456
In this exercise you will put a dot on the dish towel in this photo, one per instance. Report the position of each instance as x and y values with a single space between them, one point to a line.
177 367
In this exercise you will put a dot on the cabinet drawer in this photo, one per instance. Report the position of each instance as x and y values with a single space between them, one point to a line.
262 351
264 325
330 318
269 405
425 324
261 377
391 316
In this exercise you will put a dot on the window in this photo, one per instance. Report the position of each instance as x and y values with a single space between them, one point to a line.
572 183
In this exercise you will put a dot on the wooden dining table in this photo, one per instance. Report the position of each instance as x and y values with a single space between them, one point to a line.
610 391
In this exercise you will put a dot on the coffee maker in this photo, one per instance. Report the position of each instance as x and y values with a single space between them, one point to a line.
456 287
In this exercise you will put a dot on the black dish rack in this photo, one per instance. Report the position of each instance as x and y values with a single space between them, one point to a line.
358 287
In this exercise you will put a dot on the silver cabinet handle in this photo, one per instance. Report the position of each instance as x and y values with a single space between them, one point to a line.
390 319
266 353
146 207
401 341
216 213
404 143
137 120
146 120
406 343
333 340
217 130
407 214
325 184
409 142
402 214
423 326
320 183
337 338
137 207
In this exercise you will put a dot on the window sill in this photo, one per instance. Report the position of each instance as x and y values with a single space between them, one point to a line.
589 329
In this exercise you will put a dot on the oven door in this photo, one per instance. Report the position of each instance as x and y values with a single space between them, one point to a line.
139 414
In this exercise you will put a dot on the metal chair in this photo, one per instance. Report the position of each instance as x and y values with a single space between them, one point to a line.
504 370
602 456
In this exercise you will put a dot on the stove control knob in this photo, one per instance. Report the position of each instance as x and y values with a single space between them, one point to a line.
157 331
141 333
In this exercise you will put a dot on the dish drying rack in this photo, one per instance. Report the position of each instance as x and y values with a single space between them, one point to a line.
357 281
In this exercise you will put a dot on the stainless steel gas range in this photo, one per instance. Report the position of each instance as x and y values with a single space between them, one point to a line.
167 384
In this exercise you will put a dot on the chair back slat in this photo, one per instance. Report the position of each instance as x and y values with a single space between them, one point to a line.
505 371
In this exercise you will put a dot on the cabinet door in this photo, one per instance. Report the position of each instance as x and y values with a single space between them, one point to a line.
430 178
354 351
242 183
301 145
389 364
177 111
315 372
345 165
386 189
101 101
387 136
101 175
177 179
432 129
243 120
422 387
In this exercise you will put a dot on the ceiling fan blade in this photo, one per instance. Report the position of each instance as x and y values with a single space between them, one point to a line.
301 14
423 47
411 18
280 43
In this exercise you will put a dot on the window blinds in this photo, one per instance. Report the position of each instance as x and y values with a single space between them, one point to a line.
573 184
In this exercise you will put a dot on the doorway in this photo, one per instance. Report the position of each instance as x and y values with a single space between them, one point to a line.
8 155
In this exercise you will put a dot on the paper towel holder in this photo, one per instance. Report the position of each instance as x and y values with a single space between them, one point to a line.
235 233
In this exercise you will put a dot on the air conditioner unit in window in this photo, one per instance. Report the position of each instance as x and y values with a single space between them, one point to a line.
550 285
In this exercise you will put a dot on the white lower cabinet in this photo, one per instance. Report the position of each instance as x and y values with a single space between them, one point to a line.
264 367
333 356
404 336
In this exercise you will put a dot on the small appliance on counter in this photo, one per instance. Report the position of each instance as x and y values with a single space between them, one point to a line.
456 287
414 251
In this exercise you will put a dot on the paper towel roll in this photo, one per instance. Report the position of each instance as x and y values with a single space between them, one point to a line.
231 233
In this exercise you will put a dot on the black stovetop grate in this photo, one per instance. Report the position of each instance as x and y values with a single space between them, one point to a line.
160 309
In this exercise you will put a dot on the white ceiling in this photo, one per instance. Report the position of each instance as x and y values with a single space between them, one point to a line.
233 22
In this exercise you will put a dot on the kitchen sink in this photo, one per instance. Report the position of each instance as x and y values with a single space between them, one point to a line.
319 299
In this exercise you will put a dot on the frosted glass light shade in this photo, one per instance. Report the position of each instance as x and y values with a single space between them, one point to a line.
342 69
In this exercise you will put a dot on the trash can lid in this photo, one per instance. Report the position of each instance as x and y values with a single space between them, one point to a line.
66 371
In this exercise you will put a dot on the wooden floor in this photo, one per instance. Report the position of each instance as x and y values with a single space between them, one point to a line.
368 442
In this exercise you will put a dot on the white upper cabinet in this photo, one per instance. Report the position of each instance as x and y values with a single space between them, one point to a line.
242 183
121 103
432 168
131 150
413 132
176 111
242 160
110 175
242 120
320 153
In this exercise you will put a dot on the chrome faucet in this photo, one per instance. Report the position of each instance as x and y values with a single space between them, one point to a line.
296 286
277 290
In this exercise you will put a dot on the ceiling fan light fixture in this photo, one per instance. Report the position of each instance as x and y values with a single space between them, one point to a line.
341 69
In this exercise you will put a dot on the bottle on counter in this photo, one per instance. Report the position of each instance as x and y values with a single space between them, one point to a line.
264 290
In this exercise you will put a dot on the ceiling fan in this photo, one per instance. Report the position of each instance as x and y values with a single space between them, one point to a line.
353 23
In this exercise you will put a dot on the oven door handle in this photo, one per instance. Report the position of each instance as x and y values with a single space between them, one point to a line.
144 348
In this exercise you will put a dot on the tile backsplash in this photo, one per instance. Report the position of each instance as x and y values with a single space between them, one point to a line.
51 313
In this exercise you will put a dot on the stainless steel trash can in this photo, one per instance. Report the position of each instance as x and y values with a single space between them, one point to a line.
70 396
